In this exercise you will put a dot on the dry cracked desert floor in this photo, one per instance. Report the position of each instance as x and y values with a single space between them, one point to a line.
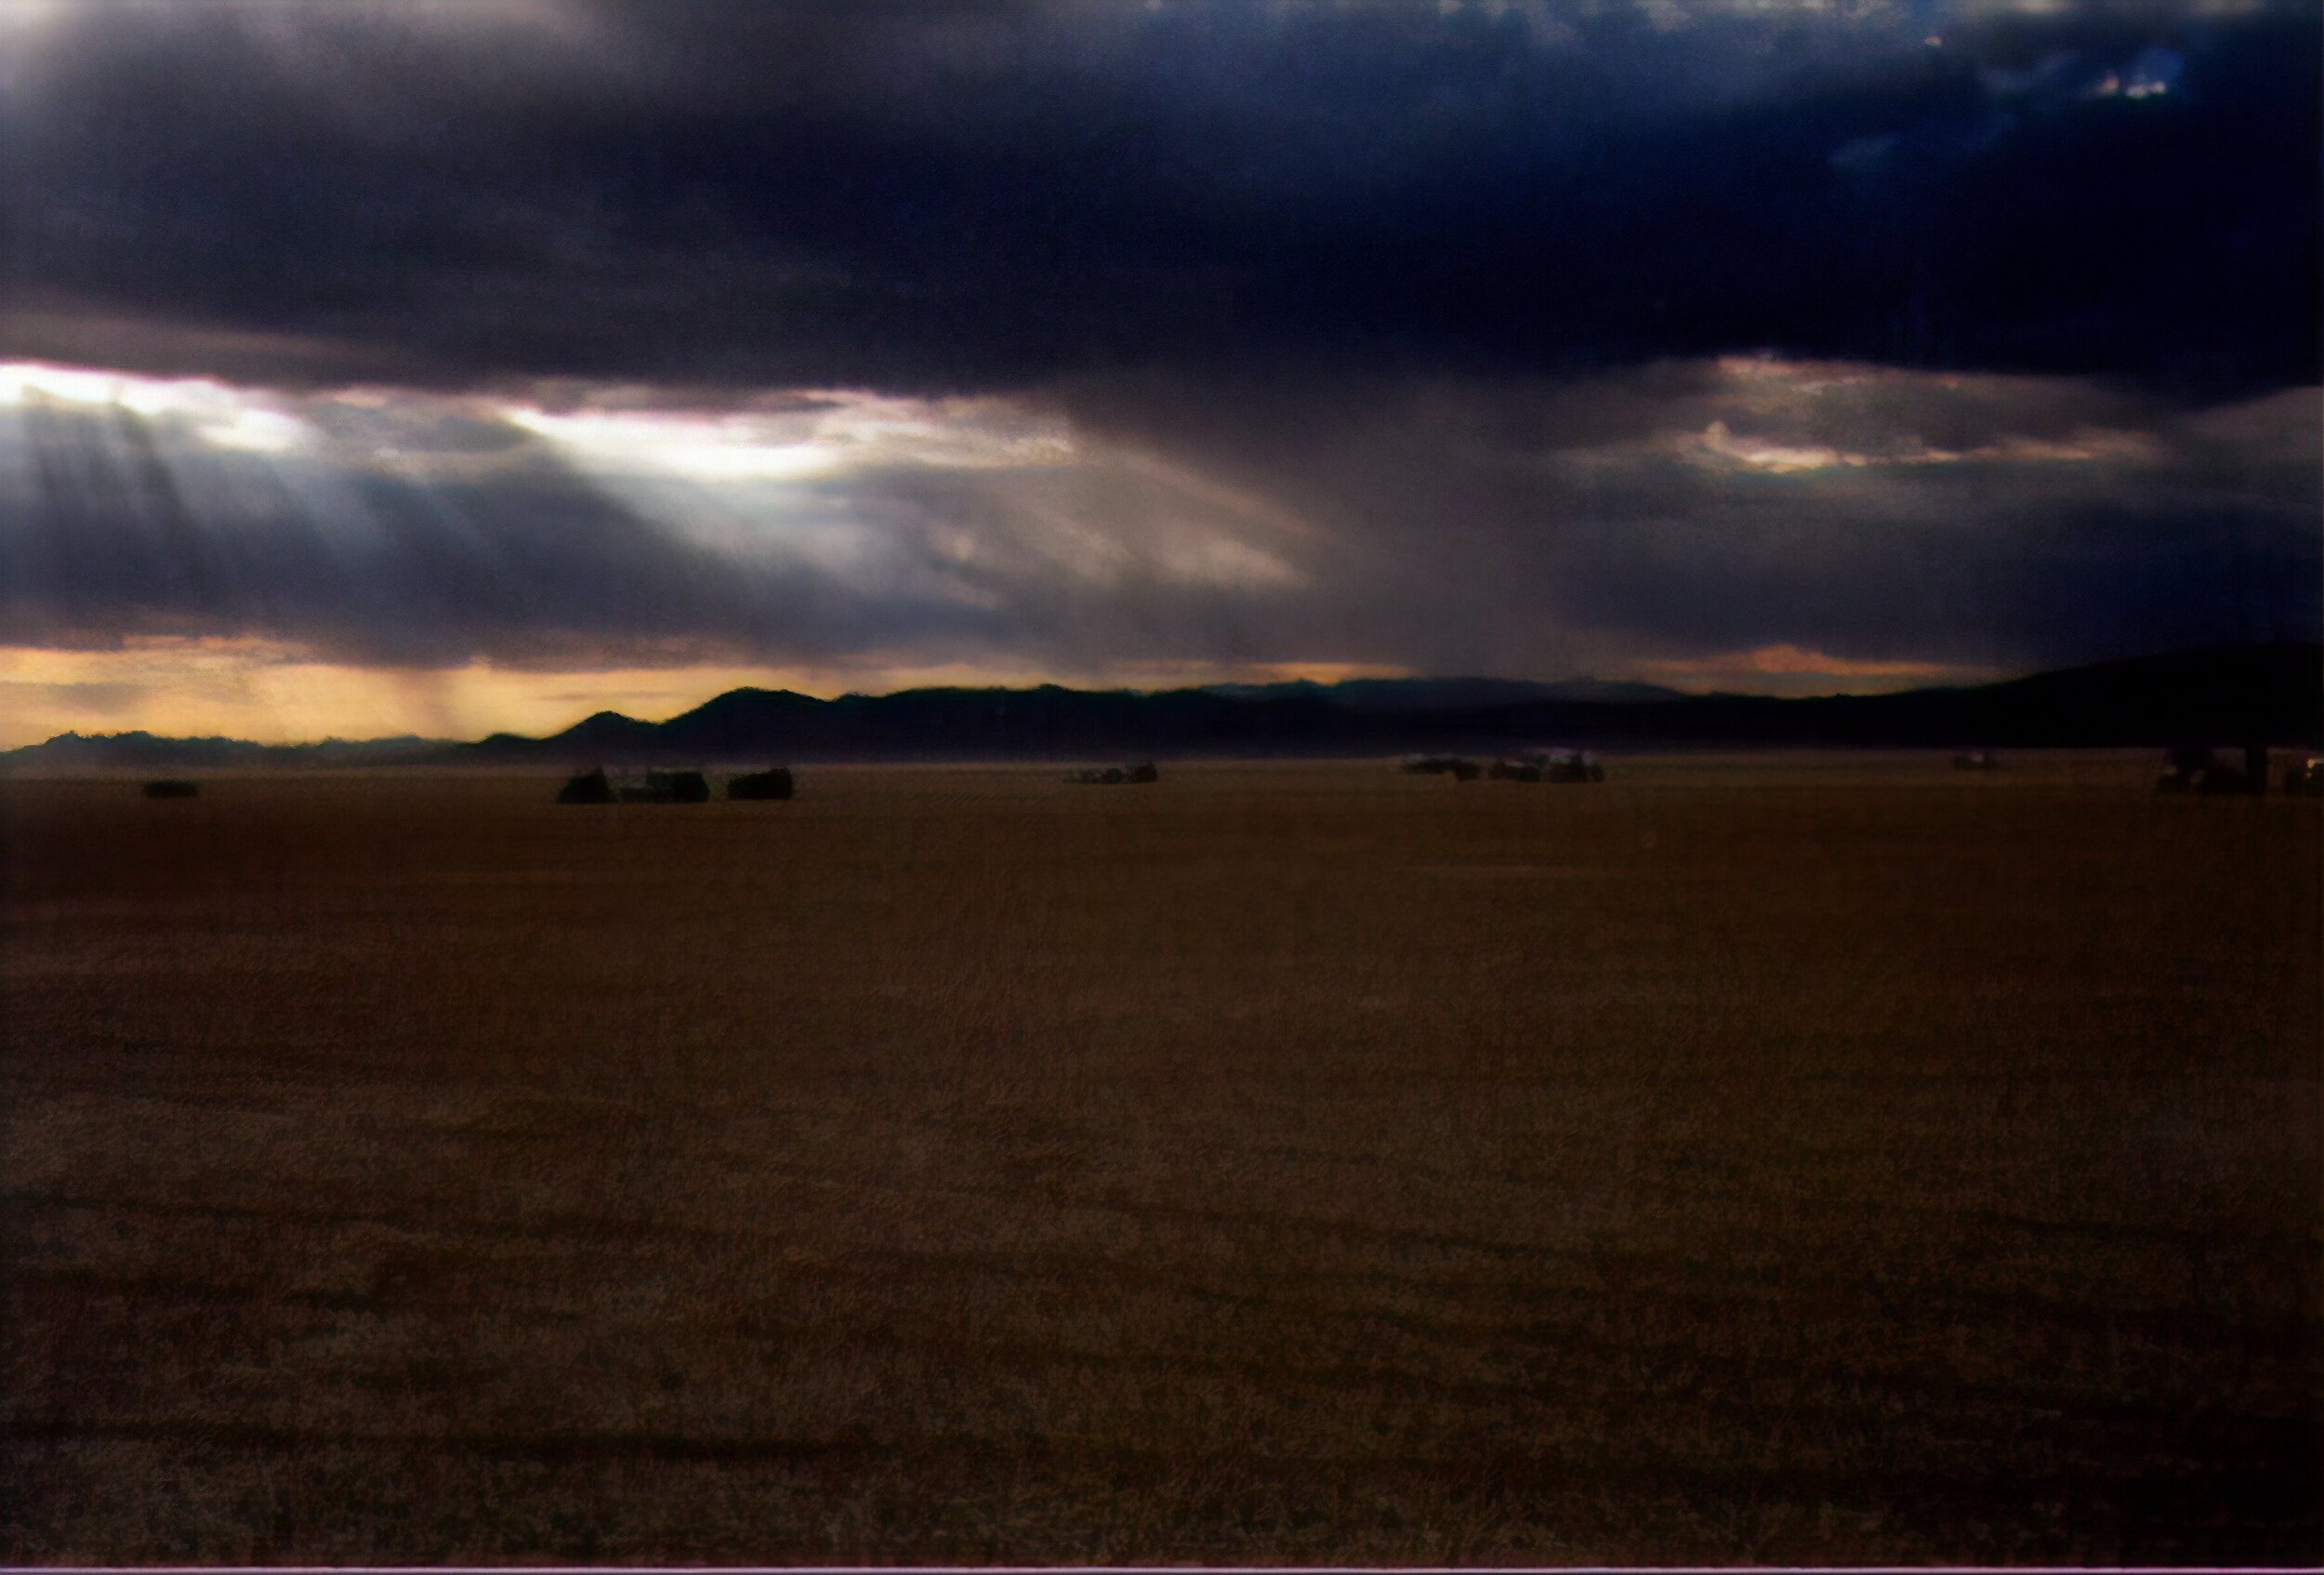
1781 1158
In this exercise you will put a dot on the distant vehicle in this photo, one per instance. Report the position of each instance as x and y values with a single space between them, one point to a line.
587 788
775 783
1113 776
2196 769
666 788
1549 765
2305 778
171 787
1975 760
1443 765
594 787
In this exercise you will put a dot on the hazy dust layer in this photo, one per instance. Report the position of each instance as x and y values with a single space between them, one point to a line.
1830 1158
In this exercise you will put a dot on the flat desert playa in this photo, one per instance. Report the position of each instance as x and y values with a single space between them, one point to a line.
1778 1158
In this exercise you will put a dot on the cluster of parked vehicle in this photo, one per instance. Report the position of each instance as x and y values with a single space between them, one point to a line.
1532 765
594 787
2198 769
1113 775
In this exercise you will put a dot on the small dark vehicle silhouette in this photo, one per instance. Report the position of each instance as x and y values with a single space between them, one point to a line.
2305 780
667 787
2180 770
171 787
2194 769
771 784
1549 765
1443 765
587 788
1113 776
1975 760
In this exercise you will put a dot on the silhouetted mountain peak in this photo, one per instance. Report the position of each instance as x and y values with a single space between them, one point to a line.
1389 695
2271 695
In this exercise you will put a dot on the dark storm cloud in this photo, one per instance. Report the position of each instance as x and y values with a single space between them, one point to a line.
1873 515
959 195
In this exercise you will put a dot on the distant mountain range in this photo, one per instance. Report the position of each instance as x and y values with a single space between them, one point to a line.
2223 695
1445 693
146 752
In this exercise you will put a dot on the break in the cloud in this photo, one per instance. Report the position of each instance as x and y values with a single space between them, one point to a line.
438 365
1679 520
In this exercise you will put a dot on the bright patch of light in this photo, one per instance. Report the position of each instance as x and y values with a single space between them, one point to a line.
1781 458
1718 446
1795 376
698 449
255 431
834 433
213 412
18 18
21 380
2153 73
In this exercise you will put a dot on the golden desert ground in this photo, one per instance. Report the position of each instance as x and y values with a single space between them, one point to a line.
1807 1158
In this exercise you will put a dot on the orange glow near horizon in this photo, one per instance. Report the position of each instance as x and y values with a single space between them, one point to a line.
268 694
1794 670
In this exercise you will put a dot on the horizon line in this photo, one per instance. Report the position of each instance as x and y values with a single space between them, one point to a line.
1674 693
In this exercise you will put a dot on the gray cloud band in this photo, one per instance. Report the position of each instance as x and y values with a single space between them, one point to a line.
1513 525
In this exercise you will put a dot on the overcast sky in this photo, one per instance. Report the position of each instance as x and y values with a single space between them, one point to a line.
451 366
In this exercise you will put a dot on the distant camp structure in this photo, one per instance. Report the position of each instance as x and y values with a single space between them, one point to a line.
654 788
666 788
773 783
1549 765
1113 776
2198 769
171 787
2305 780
1975 759
587 788
1443 766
